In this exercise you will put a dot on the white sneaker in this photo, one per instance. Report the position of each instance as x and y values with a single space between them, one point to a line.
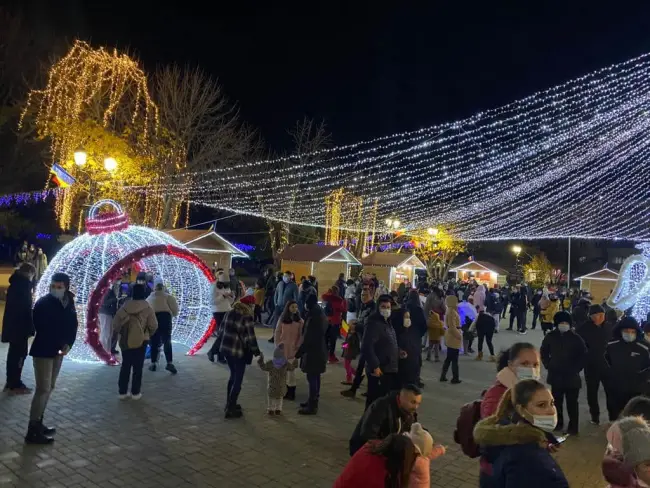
125 397
136 397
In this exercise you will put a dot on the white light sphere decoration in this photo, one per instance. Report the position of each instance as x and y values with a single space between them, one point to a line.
88 258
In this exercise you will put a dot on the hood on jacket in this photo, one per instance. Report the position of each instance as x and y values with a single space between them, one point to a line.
19 279
627 323
451 301
492 435
242 308
135 306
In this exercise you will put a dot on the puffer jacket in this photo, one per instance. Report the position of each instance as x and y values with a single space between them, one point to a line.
139 309
549 312
338 305
17 323
629 363
564 356
161 301
435 327
453 334
222 299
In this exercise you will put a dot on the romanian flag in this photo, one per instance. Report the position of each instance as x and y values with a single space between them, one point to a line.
61 177
344 329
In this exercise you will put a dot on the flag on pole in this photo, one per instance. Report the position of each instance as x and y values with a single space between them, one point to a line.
61 177
344 329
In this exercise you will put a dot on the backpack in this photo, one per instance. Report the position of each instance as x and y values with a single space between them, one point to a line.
133 332
469 416
329 311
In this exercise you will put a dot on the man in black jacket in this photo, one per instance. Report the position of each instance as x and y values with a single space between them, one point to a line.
379 348
514 307
596 333
391 414
17 326
628 357
564 353
536 310
55 322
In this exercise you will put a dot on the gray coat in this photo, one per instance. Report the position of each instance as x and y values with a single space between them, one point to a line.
313 351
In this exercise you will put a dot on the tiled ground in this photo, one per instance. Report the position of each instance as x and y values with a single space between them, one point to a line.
176 435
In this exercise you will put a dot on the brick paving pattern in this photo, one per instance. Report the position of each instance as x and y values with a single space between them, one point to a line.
176 435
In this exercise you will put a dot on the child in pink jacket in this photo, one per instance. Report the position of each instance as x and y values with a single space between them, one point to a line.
427 450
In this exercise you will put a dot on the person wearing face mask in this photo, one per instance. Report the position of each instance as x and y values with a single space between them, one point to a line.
409 341
628 358
380 350
18 326
518 439
222 300
368 307
285 291
107 312
629 439
55 323
289 332
140 279
453 339
596 333
520 362
40 263
564 354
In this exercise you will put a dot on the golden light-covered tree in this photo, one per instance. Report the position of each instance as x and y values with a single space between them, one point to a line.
539 271
437 248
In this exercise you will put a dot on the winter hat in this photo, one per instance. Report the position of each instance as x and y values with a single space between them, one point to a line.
594 309
421 439
628 323
635 440
61 278
278 352
560 317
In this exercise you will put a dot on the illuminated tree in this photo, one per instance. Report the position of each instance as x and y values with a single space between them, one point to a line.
539 271
437 248
99 101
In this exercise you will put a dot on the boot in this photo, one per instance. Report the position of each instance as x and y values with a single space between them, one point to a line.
47 430
291 393
492 359
310 409
35 434
351 393
479 357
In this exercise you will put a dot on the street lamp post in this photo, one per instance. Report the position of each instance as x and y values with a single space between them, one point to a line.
517 250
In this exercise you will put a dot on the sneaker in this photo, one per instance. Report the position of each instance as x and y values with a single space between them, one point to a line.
455 381
136 397
36 436
152 367
492 359
594 422
443 379
523 332
233 414
349 393
171 368
364 394
126 396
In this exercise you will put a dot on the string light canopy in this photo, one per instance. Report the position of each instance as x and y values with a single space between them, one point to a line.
96 259
567 161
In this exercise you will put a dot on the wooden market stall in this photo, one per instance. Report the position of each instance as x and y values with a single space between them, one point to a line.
213 249
481 271
599 283
393 268
322 261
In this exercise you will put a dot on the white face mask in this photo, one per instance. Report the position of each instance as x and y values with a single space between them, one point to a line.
545 422
407 323
286 279
527 373
384 313
564 328
627 337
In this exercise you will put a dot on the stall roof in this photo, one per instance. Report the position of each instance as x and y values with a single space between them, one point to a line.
319 254
480 266
207 241
392 260
604 274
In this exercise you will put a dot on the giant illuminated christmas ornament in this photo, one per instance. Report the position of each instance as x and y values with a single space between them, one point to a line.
96 259
632 289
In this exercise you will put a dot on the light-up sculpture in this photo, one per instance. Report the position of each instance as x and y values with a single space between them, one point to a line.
96 259
632 290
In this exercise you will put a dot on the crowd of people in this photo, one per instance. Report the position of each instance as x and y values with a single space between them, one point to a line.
514 428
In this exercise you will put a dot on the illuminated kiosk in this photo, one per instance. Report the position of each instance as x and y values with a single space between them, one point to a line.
632 290
96 259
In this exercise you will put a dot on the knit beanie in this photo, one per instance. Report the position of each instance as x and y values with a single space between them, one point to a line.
594 309
628 323
561 317
278 352
635 440
421 439
61 278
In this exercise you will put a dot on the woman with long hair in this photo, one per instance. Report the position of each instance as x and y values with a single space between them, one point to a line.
289 333
517 440
380 464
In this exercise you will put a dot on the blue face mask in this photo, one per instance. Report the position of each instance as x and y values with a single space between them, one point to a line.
57 293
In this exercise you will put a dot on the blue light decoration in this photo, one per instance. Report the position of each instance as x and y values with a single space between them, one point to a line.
244 247
27 198
43 237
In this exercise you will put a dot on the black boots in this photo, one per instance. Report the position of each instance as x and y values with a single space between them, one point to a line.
291 393
310 409
36 434
47 430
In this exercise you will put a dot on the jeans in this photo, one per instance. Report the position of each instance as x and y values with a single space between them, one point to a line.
237 369
503 312
571 395
132 361
513 315
46 371
314 388
16 355
487 335
593 379
163 335
451 360
521 321
535 317
378 386
331 337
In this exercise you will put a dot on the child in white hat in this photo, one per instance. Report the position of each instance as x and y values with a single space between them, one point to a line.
427 450
629 437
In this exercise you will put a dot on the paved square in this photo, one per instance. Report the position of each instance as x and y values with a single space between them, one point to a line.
176 435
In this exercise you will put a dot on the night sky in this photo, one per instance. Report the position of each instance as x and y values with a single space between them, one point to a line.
367 70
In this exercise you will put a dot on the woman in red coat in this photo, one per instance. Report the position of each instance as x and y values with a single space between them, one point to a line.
380 464
520 362
335 308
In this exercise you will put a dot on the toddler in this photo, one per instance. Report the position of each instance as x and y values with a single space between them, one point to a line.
427 450
277 370
629 441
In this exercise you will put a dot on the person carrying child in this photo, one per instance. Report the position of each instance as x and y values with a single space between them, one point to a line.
351 351
277 369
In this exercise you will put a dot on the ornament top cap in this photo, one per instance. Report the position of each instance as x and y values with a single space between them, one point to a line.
107 222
